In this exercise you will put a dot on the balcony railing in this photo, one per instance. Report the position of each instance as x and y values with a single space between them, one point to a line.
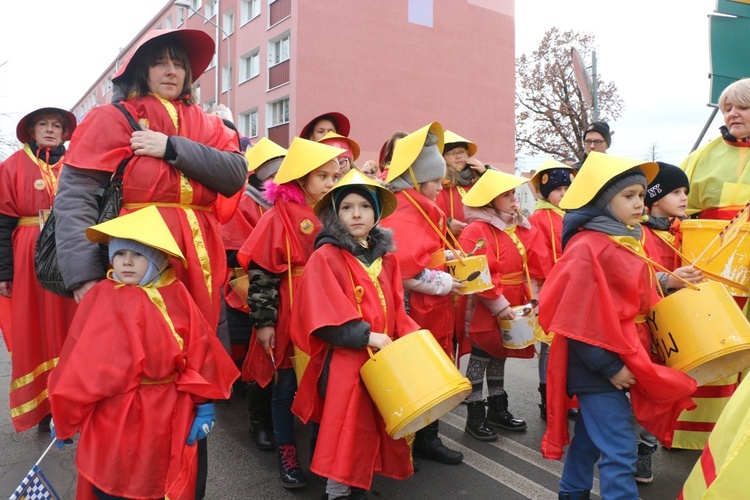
280 134
280 10
278 75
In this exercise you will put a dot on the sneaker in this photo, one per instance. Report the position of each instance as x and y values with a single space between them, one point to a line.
643 473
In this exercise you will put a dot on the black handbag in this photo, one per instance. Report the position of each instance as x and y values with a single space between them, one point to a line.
109 199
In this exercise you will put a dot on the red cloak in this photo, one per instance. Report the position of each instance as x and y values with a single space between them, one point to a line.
128 384
450 201
352 443
39 318
593 295
549 224
419 247
506 266
102 141
283 239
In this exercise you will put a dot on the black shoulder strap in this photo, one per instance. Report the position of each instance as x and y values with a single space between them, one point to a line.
133 124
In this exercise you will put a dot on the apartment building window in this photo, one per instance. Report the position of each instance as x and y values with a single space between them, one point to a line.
226 77
211 9
208 106
249 10
228 22
212 64
248 125
250 65
278 11
168 23
197 92
196 5
278 50
180 16
280 112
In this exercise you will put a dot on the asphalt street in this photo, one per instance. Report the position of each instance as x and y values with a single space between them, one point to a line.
511 468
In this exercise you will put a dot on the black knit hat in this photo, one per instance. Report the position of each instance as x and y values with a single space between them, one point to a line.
553 179
602 128
667 180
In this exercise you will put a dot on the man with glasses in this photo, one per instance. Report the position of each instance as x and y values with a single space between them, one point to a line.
596 138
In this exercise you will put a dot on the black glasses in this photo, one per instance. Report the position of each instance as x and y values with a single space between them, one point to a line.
594 142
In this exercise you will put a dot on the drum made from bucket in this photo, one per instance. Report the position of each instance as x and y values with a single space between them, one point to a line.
702 333
413 383
519 333
732 263
474 273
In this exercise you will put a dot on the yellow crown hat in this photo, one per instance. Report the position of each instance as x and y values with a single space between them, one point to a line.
491 185
303 157
262 151
334 139
408 148
354 177
144 226
452 137
549 164
596 171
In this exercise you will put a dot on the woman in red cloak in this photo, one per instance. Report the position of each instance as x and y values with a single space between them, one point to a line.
28 183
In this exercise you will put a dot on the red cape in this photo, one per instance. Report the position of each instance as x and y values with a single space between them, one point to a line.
549 224
127 384
352 443
39 318
593 295
451 202
102 141
416 243
296 224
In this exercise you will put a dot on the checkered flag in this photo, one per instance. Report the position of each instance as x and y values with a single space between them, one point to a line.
35 485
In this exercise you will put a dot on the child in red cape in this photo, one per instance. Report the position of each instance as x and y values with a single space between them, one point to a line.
354 267
138 370
595 302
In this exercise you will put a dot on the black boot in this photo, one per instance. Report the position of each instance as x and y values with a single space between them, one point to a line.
498 414
543 404
259 408
476 423
577 495
290 470
428 445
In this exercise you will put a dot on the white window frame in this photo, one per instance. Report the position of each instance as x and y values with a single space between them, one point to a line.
227 22
274 111
168 23
247 120
180 16
226 78
212 64
246 63
277 45
196 7
249 10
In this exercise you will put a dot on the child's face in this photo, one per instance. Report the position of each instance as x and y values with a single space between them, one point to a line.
628 204
357 215
431 188
506 202
321 180
130 266
671 205
556 195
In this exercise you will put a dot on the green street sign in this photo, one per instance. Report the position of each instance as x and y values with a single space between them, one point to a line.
730 52
739 8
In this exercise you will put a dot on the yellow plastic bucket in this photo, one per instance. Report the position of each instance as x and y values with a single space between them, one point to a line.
701 332
732 263
299 363
474 273
519 333
413 383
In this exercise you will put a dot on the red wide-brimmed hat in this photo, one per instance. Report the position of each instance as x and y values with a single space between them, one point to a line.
198 45
341 122
22 129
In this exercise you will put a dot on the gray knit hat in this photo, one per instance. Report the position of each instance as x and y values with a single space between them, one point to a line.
429 165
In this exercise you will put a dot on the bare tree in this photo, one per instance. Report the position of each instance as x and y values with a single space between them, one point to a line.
551 113
8 143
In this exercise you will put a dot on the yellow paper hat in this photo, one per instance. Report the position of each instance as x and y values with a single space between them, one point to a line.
452 137
596 171
338 140
408 148
263 150
303 157
354 177
144 226
491 185
549 164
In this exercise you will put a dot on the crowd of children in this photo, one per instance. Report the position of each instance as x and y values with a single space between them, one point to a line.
325 265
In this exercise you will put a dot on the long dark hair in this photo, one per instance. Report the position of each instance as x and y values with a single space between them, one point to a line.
135 81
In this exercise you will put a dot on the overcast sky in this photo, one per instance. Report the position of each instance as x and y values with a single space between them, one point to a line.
656 52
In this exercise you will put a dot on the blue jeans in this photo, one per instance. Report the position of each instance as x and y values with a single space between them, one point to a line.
604 433
281 406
